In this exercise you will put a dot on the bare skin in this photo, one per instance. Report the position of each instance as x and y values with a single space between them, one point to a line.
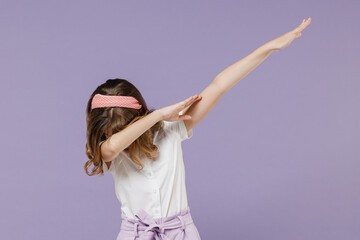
196 107
237 71
117 142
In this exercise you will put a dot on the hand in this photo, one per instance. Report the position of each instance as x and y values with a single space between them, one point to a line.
171 113
285 40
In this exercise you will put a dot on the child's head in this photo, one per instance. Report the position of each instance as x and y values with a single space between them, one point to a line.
103 122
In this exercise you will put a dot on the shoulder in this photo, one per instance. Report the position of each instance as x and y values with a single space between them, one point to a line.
178 129
114 165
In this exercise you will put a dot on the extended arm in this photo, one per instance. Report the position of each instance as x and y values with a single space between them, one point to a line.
234 73
237 71
223 82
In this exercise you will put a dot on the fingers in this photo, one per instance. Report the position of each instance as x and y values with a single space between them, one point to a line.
303 25
184 117
187 102
191 100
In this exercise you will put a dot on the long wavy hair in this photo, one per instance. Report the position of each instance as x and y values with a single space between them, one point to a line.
104 121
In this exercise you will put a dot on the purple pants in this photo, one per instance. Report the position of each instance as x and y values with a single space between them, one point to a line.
177 227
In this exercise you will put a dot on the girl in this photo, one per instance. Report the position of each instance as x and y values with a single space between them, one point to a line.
141 148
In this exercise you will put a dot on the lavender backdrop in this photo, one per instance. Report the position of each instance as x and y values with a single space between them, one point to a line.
277 158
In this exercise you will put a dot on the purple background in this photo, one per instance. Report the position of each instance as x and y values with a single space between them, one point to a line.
277 158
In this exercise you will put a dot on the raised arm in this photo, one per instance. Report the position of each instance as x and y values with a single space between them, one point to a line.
234 73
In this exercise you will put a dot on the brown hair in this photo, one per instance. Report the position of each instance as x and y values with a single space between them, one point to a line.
114 119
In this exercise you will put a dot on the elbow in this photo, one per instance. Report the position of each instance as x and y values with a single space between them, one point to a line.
220 88
108 152
116 149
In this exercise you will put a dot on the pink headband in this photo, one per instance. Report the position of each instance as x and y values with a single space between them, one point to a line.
100 100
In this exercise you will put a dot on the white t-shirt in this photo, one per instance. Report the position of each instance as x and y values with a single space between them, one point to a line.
159 188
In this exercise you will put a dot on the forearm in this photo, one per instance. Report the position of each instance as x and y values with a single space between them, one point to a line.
237 71
121 140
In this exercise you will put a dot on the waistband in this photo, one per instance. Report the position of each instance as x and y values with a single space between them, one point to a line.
144 222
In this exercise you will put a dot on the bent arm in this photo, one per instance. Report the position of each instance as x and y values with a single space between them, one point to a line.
111 148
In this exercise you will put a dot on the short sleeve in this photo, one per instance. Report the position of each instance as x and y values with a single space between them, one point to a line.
178 128
105 167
